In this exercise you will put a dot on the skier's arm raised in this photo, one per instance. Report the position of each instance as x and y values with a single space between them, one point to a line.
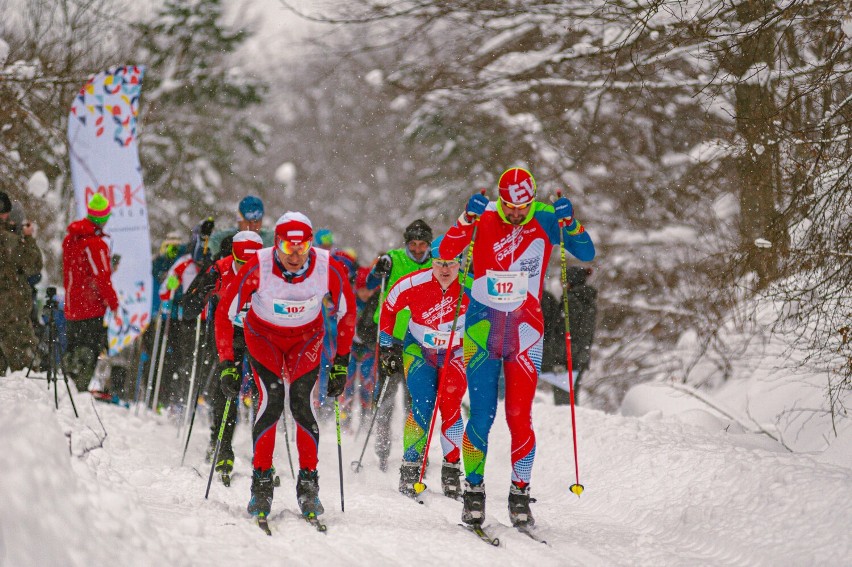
460 234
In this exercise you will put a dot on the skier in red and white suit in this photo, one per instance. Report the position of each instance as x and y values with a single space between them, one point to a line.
284 331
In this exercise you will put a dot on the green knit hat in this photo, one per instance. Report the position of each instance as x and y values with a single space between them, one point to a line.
98 209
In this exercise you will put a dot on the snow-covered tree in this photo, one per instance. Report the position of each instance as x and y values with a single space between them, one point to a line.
198 132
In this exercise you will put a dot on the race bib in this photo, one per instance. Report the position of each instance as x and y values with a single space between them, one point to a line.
289 309
506 287
437 339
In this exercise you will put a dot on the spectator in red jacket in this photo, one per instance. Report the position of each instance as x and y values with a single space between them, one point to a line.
88 290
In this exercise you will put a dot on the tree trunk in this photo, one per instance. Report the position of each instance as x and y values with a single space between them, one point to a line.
757 166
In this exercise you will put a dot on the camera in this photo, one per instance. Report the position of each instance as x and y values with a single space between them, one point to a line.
50 301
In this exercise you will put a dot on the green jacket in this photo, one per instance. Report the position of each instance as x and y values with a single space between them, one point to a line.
20 258
401 266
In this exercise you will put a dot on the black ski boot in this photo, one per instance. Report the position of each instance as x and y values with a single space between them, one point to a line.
409 473
307 493
261 493
473 512
519 506
225 465
451 480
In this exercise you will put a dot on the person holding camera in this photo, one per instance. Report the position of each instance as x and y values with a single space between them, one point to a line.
20 258
87 275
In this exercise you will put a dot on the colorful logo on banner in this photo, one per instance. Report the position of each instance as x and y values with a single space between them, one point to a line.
97 102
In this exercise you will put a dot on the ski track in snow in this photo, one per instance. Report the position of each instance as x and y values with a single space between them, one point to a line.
657 492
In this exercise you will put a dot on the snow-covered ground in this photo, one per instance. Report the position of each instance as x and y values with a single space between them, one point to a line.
658 491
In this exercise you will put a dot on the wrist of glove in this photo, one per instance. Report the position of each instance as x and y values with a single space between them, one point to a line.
172 283
337 374
229 378
476 205
391 360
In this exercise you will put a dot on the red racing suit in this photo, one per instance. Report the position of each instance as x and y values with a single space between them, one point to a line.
504 324
429 375
284 331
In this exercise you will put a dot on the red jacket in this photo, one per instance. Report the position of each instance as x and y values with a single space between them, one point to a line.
87 273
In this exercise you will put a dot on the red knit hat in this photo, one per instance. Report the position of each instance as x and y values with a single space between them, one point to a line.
517 186
245 245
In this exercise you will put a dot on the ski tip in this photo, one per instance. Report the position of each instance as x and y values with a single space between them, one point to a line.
263 524
577 489
419 487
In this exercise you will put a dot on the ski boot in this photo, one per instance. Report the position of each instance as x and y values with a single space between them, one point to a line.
261 493
409 473
276 480
473 512
225 465
307 493
451 480
519 506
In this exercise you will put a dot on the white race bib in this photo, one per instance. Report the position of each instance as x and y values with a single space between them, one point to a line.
437 339
506 287
291 309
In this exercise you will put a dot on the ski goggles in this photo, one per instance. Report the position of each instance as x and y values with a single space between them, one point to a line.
300 248
513 206
445 263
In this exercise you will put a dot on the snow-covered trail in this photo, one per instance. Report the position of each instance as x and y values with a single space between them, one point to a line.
657 492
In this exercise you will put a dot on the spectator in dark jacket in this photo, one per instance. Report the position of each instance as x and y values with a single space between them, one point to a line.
87 274
20 259
582 313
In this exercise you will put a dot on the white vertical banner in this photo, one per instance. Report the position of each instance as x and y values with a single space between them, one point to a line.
105 159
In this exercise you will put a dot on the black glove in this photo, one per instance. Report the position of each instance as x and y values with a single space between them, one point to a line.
206 227
382 269
337 376
391 359
229 378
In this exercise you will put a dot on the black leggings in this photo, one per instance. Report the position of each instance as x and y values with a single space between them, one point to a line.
272 394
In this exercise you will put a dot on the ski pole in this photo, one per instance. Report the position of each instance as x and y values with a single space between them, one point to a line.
576 488
162 357
356 465
143 358
192 419
287 440
419 486
152 363
187 405
333 345
339 451
285 372
218 446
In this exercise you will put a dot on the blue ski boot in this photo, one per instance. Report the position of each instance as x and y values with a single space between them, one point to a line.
307 493
261 493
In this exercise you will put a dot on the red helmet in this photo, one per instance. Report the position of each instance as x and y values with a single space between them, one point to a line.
293 227
517 186
245 245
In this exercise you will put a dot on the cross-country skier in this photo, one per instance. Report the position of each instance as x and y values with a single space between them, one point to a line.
180 344
514 239
431 296
392 266
249 217
213 281
284 331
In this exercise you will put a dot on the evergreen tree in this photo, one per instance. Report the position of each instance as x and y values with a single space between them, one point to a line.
197 131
